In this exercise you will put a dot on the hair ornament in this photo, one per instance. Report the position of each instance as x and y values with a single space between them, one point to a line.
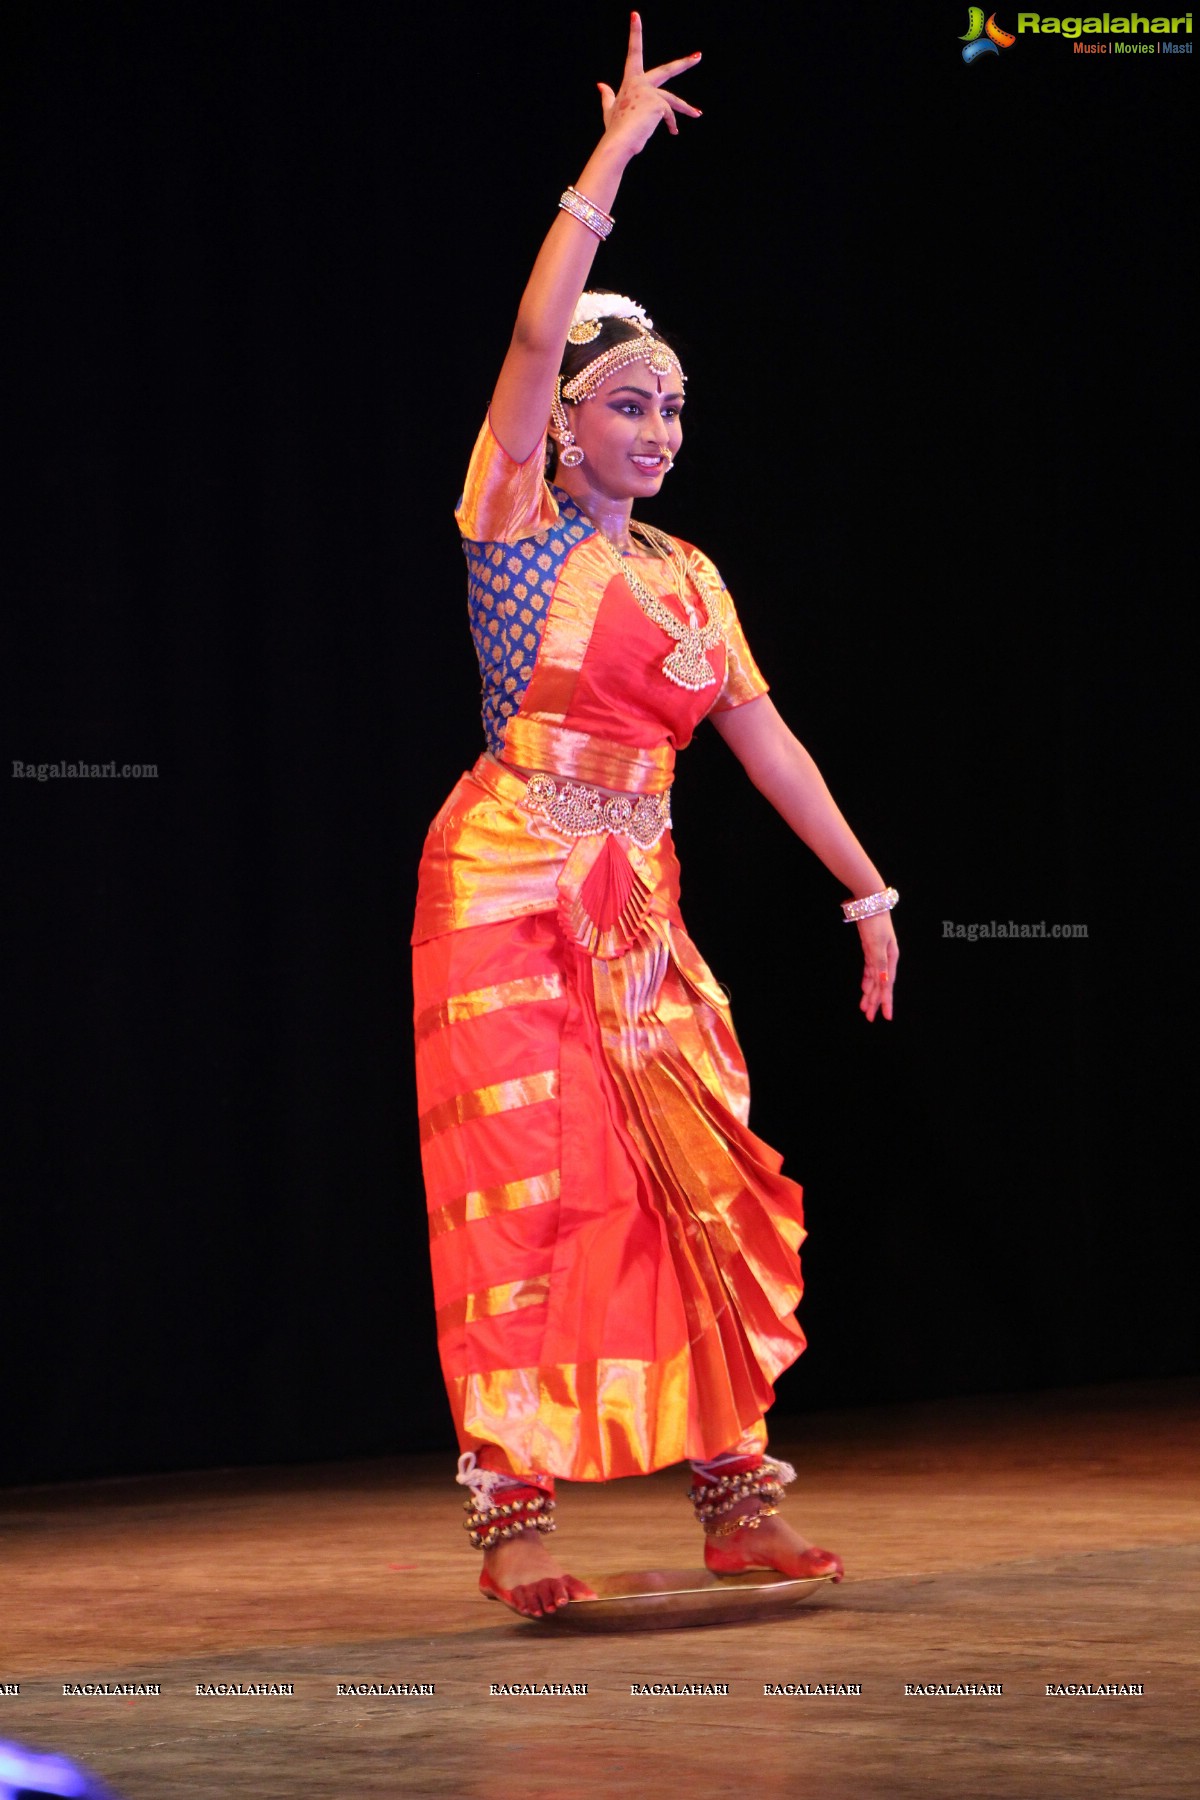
659 360
642 347
593 308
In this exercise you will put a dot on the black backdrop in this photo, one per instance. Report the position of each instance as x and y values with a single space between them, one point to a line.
933 314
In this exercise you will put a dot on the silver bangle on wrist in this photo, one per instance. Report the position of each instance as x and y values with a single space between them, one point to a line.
869 905
587 212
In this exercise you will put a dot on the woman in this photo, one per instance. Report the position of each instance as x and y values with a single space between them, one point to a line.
614 1251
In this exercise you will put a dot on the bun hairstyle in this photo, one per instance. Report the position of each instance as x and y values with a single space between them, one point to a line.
612 330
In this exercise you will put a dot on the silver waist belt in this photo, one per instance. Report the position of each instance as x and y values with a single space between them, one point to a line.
581 811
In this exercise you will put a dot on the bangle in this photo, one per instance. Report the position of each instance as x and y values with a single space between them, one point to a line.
583 209
883 901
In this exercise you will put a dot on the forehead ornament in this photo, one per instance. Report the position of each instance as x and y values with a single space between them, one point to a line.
658 357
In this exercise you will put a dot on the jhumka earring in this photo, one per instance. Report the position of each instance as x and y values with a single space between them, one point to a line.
569 453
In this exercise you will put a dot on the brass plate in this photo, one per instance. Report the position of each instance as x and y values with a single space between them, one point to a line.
667 1599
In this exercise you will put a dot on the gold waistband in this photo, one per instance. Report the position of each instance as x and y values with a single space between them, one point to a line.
574 807
582 811
577 756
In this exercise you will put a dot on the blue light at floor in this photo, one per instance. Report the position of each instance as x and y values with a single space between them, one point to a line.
30 1775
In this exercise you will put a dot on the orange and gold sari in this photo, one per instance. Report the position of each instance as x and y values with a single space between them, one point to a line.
614 1251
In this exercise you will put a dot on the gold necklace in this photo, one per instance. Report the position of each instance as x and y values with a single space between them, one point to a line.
687 665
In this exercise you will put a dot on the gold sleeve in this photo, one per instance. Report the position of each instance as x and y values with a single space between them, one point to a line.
744 680
503 500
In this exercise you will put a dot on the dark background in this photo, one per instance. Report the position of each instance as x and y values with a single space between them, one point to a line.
267 259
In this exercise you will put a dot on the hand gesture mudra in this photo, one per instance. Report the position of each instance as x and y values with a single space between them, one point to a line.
881 954
641 103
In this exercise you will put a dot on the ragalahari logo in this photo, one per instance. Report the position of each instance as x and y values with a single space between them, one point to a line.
982 39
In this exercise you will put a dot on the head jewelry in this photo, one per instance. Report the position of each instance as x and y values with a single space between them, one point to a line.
642 347
586 325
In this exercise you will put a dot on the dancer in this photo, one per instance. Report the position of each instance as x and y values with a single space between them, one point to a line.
614 1251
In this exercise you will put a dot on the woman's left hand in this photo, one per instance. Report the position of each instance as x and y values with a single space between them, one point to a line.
881 953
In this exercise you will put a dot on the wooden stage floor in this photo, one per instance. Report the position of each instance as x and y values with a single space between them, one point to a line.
1025 1543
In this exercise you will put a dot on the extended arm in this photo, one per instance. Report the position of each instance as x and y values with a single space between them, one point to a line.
781 769
521 402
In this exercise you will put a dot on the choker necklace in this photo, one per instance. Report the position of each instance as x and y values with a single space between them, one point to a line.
687 665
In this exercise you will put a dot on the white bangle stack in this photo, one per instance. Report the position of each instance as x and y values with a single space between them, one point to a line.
866 908
587 212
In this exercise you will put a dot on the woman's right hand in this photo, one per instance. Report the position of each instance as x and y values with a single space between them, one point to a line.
641 103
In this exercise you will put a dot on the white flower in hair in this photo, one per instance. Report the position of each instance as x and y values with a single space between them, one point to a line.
588 318
593 307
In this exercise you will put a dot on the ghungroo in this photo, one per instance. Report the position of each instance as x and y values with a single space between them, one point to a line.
524 1509
763 1480
500 1505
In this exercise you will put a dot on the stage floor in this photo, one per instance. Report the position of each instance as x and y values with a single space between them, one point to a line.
1046 1541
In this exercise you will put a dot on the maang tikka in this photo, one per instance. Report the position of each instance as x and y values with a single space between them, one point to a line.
644 347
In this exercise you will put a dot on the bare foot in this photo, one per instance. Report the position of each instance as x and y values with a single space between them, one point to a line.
521 1571
770 1544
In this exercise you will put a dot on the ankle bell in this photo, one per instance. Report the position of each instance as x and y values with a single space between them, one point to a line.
526 1509
714 1499
499 1505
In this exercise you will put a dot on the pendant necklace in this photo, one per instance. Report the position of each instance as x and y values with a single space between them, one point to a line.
687 665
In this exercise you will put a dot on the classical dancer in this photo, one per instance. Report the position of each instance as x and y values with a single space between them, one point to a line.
614 1251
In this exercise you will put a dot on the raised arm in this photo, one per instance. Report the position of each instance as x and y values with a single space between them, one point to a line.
521 402
781 768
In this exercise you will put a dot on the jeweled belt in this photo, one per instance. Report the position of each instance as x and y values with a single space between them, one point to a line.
581 811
